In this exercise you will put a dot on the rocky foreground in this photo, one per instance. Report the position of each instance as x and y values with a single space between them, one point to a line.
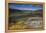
28 23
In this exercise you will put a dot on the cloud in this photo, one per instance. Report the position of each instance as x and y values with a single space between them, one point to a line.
25 7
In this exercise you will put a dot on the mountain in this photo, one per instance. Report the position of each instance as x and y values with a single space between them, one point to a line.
25 12
14 10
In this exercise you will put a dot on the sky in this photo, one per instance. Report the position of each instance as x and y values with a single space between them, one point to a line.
25 7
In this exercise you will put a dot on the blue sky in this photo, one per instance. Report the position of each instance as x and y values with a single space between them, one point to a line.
25 7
